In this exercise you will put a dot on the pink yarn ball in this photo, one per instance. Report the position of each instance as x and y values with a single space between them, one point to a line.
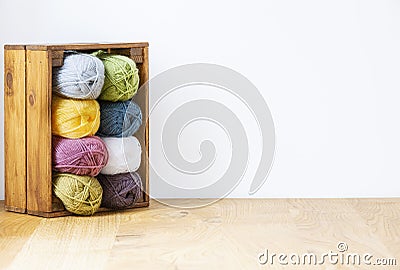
84 156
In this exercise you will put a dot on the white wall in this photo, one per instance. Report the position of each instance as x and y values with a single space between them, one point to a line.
329 71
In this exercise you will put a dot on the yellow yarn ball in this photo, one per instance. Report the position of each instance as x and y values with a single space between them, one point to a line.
80 195
72 118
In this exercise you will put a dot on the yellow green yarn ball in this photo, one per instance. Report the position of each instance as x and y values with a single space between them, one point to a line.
80 195
121 77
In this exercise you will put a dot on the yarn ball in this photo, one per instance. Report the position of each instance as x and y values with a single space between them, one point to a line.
86 156
121 77
80 194
124 155
71 118
81 77
120 190
119 119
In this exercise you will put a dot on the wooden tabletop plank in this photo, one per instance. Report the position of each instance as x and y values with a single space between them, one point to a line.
15 231
229 234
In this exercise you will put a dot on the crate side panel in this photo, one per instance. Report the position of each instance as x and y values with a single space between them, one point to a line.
38 110
142 99
14 130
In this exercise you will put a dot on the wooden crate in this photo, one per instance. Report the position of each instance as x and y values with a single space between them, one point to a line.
27 123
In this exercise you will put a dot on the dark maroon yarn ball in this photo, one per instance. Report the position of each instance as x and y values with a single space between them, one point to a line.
120 190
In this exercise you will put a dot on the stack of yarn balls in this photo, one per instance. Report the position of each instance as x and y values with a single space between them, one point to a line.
94 153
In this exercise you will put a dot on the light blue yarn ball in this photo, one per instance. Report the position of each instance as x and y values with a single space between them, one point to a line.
81 76
119 119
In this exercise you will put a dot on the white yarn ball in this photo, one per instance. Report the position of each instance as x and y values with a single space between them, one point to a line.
81 76
124 155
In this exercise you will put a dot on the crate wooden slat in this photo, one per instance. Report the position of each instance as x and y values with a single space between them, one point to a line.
27 99
57 58
14 47
143 102
14 132
87 46
38 126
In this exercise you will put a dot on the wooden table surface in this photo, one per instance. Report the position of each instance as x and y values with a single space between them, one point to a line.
229 234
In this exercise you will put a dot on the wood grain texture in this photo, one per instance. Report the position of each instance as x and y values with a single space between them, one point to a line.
142 99
383 218
38 96
229 234
86 46
84 240
14 47
64 213
15 231
14 131
57 58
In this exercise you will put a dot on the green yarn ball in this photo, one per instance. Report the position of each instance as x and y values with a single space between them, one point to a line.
80 195
121 77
